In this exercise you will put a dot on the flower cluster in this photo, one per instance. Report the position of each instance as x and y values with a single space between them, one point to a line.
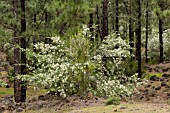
79 66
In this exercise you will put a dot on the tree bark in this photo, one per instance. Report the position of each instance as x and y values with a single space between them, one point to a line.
161 40
98 34
23 53
17 70
91 25
146 43
117 17
105 19
138 33
131 36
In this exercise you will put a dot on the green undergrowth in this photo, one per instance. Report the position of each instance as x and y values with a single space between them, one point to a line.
5 91
148 76
30 92
113 101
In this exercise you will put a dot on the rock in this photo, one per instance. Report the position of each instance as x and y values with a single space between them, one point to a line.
161 79
163 84
158 88
141 97
167 86
41 97
165 70
150 69
152 94
52 93
154 78
166 75
147 86
3 108
7 86
19 109
157 70
153 87
168 95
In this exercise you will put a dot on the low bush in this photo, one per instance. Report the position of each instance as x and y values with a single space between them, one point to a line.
79 65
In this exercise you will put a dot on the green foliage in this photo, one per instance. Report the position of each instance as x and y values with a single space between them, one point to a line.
113 100
155 74
153 45
11 75
78 67
131 67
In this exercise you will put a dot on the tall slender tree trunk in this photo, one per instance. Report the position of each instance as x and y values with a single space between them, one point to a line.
138 33
98 34
34 39
48 40
161 40
17 68
105 31
130 31
23 53
91 25
105 19
117 16
146 43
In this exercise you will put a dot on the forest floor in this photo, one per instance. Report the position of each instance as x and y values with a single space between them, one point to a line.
154 97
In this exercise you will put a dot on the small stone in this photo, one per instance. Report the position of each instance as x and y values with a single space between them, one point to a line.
20 109
158 88
164 70
147 86
168 95
150 69
153 87
156 70
7 86
41 97
52 93
166 75
167 86
161 79
163 84
141 97
154 78
2 108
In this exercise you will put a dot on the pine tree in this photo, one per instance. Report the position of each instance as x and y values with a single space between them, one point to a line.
105 19
138 33
147 32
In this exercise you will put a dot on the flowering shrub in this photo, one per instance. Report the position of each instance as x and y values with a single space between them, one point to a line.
81 66
153 44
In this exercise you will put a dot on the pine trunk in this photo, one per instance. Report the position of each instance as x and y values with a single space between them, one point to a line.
91 25
23 53
146 43
117 17
17 70
105 19
161 40
131 36
138 33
